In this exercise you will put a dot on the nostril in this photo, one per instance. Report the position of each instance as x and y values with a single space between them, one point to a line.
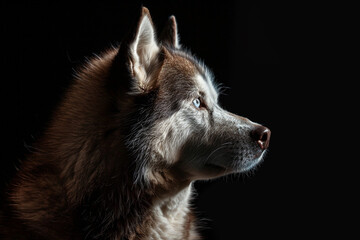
261 135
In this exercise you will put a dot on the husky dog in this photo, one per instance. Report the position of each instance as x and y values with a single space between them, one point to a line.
137 127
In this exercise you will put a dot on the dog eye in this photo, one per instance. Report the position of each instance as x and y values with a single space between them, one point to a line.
197 102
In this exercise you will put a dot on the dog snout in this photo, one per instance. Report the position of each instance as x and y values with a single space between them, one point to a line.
261 135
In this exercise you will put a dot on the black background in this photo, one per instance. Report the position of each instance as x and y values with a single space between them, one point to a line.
267 54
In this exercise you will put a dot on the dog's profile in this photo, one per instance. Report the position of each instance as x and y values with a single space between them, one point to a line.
137 127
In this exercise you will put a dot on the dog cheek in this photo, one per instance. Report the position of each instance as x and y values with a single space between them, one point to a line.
169 136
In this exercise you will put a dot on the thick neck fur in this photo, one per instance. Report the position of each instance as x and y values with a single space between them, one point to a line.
136 213
172 217
120 206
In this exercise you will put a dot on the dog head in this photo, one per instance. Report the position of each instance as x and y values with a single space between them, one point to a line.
175 123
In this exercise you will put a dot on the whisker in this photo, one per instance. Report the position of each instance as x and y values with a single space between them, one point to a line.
217 149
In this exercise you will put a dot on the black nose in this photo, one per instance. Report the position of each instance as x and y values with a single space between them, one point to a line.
261 135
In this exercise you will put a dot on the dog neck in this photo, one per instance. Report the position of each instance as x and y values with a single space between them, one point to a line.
172 217
139 213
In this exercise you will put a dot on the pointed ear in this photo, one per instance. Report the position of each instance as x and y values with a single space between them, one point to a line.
169 35
143 49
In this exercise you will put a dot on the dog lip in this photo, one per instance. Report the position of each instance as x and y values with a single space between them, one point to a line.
215 166
258 155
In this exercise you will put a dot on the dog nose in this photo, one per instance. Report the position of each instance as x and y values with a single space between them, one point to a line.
261 135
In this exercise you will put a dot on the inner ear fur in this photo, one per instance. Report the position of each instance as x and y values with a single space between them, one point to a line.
143 49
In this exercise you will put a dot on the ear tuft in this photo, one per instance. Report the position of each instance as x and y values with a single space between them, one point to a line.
169 35
145 11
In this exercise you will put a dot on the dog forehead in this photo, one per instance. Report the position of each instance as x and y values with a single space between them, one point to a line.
183 71
205 85
179 65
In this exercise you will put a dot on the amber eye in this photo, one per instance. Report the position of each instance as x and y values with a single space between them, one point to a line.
197 102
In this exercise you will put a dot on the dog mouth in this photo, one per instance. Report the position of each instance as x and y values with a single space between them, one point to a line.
216 168
239 165
250 164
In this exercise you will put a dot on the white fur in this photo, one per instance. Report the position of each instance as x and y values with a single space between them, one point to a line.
164 144
143 50
209 89
171 215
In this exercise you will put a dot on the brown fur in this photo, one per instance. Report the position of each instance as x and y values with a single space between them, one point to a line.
68 178
80 181
102 169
